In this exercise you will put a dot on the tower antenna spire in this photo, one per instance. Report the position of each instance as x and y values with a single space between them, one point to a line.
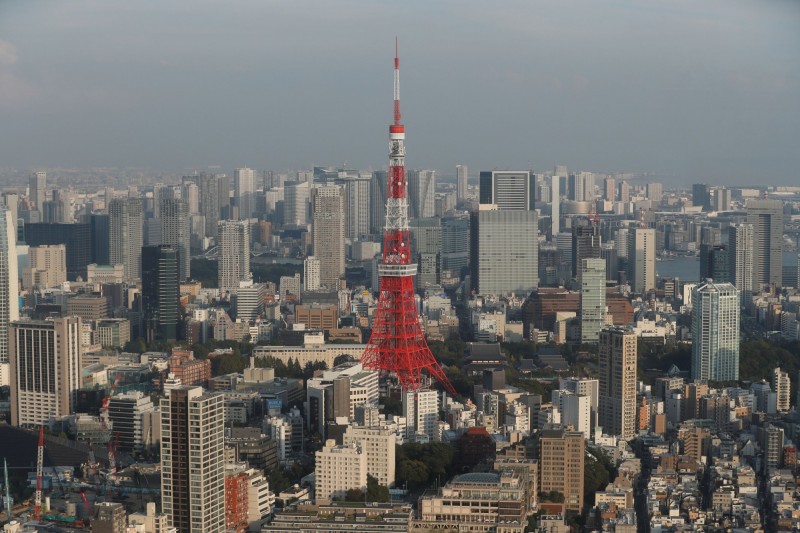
397 344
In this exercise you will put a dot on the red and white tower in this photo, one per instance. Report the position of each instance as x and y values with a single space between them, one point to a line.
397 344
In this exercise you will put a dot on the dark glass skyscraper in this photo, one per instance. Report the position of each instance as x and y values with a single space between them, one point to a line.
160 292
76 238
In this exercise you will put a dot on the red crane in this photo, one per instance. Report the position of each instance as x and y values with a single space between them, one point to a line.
39 467
397 344
86 506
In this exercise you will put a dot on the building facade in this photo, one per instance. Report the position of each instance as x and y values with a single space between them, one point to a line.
617 394
715 332
328 234
234 254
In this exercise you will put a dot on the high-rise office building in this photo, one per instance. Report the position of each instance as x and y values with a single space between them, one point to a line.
47 266
654 193
555 206
586 243
641 259
740 258
421 193
46 361
782 386
561 465
721 200
311 274
581 187
234 254
462 182
128 413
77 238
508 190
9 288
208 190
715 332
328 234
505 251
174 215
593 299
766 217
377 194
454 258
714 262
295 203
193 460
609 189
701 196
357 210
244 191
37 190
126 235
623 191
617 368
99 226
160 292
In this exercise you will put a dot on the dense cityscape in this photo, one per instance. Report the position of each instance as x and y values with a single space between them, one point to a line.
336 348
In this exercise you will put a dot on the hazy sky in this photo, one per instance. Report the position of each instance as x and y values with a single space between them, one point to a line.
693 89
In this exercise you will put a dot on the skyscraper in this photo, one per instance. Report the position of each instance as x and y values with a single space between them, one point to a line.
295 203
126 235
701 196
311 274
586 243
455 245
508 190
77 238
37 189
593 298
617 362
740 258
555 207
175 231
561 465
47 266
505 251
782 386
328 234
766 216
623 191
715 332
462 182
609 189
46 361
714 262
357 210
209 201
244 191
234 254
160 292
641 259
581 186
654 193
9 288
193 460
421 189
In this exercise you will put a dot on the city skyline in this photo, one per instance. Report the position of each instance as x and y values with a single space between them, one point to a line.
675 90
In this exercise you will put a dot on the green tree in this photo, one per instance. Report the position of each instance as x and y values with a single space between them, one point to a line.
412 472
227 364
375 491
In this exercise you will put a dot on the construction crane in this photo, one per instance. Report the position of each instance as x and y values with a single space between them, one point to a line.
7 498
39 467
86 506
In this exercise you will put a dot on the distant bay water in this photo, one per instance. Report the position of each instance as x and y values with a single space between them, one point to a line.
687 268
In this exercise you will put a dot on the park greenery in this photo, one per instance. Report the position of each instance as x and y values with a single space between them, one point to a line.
206 271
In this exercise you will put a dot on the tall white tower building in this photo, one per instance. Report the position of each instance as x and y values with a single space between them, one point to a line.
642 259
740 257
356 205
126 235
462 182
593 298
244 190
9 287
234 254
295 203
421 189
715 332
311 274
328 234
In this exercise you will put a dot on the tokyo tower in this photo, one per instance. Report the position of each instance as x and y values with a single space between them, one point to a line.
397 344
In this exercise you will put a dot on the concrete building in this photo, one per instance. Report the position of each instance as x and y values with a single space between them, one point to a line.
421 189
356 205
311 274
378 444
328 234
782 387
37 189
462 182
505 251
112 332
9 288
617 369
234 254
126 235
249 300
336 393
561 465
421 409
454 254
46 358
508 190
766 217
244 191
641 255
47 266
89 307
174 215
593 299
100 274
296 195
111 518
127 412
584 387
192 460
741 248
339 469
575 411
715 332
